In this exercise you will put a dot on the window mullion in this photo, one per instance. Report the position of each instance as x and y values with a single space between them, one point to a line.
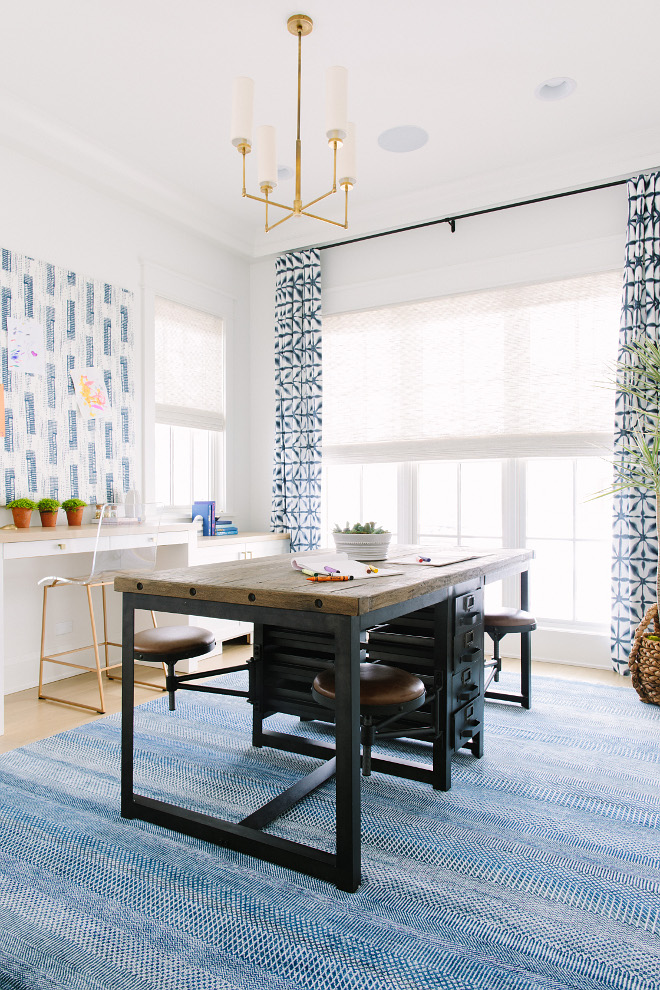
513 518
406 502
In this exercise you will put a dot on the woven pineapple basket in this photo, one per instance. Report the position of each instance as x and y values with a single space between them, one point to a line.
644 661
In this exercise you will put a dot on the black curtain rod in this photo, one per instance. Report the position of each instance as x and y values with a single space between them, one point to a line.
475 213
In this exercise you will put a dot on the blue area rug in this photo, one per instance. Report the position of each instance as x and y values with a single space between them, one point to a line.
539 869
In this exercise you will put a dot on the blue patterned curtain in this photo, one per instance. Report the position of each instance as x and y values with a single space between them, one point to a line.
298 395
635 552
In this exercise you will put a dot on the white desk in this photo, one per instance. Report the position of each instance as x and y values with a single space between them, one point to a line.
30 554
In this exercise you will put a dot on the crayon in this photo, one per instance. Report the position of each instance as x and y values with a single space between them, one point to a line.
331 577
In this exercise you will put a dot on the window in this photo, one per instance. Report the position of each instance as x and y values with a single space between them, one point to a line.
189 393
487 412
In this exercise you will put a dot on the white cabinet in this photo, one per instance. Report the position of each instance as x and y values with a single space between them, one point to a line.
216 550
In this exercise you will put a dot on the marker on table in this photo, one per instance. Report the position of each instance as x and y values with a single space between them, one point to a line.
424 560
372 570
331 570
305 570
331 577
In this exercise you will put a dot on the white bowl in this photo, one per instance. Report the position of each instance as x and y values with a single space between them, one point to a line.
363 546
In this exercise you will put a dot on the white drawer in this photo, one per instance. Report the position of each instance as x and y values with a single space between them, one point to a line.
266 548
119 542
218 554
51 548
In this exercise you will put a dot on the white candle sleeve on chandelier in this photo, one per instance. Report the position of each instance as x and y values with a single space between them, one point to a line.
336 102
346 159
241 111
266 156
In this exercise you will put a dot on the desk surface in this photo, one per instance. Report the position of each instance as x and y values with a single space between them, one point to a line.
38 534
32 534
273 583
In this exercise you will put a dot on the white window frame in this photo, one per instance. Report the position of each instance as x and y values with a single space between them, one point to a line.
158 281
556 640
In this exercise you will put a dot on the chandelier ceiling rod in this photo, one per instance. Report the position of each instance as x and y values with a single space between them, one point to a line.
340 134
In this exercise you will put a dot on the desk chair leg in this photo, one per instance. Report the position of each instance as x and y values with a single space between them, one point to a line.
43 644
114 677
105 628
95 643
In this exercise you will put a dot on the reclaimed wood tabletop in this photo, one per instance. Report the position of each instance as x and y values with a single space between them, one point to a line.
273 582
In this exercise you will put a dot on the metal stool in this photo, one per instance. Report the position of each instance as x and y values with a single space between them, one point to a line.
386 693
498 623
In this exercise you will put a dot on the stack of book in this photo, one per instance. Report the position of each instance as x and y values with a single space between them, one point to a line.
225 527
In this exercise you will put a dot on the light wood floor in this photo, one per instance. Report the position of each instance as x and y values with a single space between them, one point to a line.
28 719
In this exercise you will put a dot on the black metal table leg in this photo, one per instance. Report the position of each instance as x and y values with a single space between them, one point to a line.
257 685
525 646
347 715
127 670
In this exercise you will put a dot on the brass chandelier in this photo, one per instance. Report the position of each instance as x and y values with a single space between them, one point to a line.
340 134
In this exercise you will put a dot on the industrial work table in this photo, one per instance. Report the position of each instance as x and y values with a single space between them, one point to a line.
330 621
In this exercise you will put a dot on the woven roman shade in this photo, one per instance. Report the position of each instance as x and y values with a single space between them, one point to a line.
506 372
189 367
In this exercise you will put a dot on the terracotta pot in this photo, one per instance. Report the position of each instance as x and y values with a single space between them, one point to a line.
48 518
74 516
22 517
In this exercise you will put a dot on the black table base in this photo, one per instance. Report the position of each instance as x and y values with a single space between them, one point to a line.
439 636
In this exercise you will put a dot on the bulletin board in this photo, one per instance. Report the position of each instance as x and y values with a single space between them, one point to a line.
68 382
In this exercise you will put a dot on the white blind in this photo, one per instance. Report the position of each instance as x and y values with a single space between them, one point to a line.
508 372
189 367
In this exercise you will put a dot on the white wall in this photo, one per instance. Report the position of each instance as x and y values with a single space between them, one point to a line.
49 214
556 239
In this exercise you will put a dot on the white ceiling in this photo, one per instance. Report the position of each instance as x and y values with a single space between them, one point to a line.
135 95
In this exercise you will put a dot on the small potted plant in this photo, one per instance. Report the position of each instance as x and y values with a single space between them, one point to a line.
21 510
48 511
74 510
363 541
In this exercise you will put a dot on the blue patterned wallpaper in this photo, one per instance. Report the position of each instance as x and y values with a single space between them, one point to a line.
49 450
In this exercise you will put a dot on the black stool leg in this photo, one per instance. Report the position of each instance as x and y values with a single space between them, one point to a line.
496 655
367 740
170 683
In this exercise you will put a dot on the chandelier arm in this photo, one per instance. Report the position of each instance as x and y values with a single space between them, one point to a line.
270 202
324 219
318 199
287 217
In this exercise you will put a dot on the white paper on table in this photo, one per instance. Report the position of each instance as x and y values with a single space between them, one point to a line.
340 562
26 346
438 556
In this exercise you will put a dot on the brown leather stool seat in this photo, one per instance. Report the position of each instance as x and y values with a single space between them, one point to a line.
385 693
168 645
498 623
172 643
509 620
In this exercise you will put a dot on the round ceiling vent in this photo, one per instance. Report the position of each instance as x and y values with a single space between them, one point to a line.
407 137
557 88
